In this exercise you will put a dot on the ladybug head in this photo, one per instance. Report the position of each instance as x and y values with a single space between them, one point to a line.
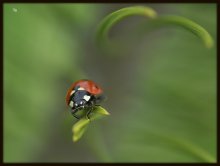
80 98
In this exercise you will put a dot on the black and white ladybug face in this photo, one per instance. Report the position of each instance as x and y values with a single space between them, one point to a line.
80 98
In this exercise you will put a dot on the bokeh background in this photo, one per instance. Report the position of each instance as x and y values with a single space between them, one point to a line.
161 85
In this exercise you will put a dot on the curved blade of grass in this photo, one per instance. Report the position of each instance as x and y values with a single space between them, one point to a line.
189 25
185 145
113 18
80 127
195 150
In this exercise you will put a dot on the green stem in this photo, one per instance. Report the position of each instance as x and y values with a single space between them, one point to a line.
197 151
186 146
97 144
189 25
113 18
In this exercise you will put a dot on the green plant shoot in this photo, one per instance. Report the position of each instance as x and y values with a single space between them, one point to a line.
113 18
158 21
80 127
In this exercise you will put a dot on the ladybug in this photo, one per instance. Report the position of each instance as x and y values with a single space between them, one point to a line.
84 94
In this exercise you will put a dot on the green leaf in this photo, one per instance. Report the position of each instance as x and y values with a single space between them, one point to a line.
113 18
80 127
100 110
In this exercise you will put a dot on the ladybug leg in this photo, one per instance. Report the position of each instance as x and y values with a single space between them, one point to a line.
73 112
88 113
75 116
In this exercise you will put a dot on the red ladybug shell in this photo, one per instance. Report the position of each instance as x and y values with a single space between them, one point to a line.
88 85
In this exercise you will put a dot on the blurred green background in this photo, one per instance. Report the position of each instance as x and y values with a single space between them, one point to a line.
161 85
